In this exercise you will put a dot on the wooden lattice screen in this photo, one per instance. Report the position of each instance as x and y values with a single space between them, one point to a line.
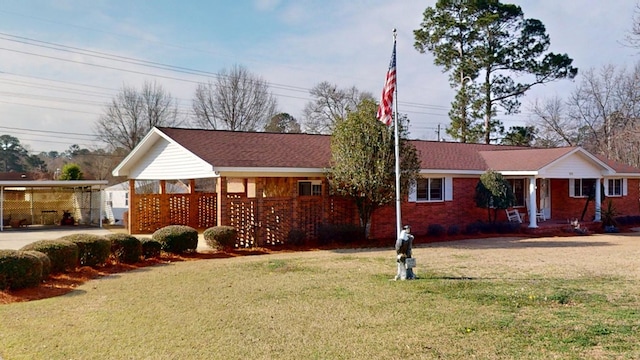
242 216
268 221
277 220
196 210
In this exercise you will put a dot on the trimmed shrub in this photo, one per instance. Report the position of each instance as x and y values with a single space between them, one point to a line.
93 250
453 230
62 253
220 237
177 238
19 270
125 248
296 237
473 228
339 233
46 262
150 248
435 230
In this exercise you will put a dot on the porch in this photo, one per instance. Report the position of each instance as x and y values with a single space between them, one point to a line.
556 226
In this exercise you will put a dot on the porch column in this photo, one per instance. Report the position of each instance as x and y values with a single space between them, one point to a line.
598 205
533 220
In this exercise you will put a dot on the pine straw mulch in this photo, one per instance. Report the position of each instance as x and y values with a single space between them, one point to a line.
60 284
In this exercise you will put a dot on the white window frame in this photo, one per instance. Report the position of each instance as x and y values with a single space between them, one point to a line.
609 187
315 186
446 190
573 190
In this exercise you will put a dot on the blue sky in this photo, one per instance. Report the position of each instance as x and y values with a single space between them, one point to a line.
50 99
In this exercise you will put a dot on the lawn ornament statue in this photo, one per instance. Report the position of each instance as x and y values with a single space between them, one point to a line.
403 255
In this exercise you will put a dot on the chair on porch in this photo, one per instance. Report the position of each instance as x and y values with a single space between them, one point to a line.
513 215
539 213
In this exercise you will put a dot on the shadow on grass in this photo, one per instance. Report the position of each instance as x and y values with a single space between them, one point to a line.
516 243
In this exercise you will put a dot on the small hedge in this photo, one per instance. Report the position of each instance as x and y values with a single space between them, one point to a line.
177 239
220 237
125 248
435 230
46 262
93 250
19 270
62 253
339 233
150 248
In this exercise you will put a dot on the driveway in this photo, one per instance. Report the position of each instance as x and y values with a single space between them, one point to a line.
16 238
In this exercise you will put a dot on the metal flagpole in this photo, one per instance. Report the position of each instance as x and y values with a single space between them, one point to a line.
397 148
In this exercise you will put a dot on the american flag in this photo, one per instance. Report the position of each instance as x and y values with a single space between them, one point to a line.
385 113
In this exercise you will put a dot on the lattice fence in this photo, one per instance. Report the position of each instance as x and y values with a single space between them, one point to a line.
196 210
277 220
45 206
242 216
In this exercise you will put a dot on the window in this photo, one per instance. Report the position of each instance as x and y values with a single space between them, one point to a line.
615 187
583 187
430 189
517 185
310 188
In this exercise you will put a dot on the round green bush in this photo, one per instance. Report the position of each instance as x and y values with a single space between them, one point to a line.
93 250
19 270
177 239
125 248
46 262
62 253
150 248
220 237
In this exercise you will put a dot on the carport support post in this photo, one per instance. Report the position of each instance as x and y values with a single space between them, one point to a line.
533 207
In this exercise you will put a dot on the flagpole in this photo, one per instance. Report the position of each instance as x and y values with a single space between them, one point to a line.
397 150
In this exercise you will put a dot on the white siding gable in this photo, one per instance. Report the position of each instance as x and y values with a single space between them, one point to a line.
169 161
576 166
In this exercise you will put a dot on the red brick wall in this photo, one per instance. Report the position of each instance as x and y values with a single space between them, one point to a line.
462 210
565 207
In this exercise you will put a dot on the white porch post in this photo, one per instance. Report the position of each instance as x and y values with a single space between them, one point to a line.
533 220
597 201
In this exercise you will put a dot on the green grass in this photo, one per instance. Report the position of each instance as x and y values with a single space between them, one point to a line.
323 305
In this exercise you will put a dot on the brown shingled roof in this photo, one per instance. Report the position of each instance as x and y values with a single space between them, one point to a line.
254 149
223 148
528 159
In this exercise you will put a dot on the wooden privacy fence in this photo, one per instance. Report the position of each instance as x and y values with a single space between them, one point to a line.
154 211
268 221
259 221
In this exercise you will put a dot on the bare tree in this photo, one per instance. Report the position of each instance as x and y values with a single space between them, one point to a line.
330 106
236 100
555 128
132 114
602 114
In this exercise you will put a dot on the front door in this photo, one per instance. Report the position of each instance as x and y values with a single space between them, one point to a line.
544 196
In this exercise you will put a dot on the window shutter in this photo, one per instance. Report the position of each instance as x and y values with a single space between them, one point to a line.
412 191
624 187
572 188
448 188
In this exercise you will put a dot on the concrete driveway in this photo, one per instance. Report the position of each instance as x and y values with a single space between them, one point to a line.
14 239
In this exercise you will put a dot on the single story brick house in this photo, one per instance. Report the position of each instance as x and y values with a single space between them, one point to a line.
268 184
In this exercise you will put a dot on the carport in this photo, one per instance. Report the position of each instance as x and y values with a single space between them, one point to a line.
44 202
